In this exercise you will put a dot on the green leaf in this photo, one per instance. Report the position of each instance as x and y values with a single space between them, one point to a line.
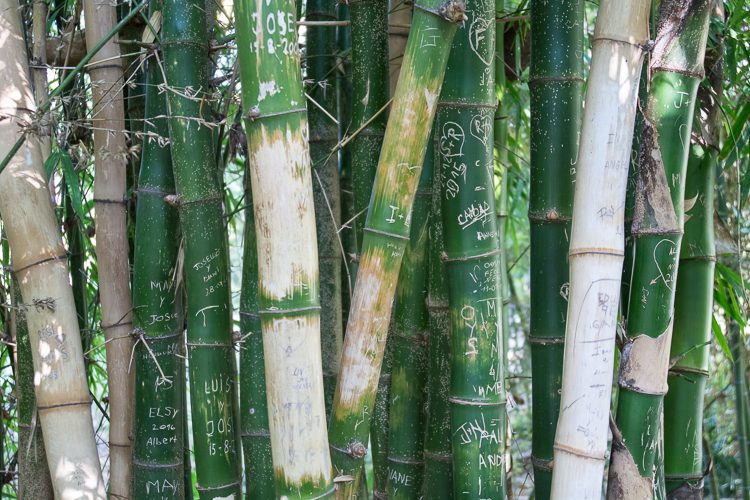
51 164
71 181
720 338
735 133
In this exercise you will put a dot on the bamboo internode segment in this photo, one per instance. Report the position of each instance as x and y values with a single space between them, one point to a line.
556 91
386 232
36 246
596 248
288 282
210 347
438 468
408 339
111 155
675 71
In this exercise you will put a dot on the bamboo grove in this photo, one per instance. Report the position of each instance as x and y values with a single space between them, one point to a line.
388 249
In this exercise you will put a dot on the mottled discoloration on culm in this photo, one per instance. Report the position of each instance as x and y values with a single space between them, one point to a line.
681 37
654 211
287 259
625 483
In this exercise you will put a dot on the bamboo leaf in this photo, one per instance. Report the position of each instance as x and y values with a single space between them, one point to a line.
72 182
51 164
721 339
736 129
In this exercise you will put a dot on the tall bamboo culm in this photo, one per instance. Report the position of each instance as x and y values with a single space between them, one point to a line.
158 305
596 248
408 338
40 262
675 71
556 86
683 403
289 300
112 248
256 439
210 349
369 54
438 470
386 234
464 156
320 60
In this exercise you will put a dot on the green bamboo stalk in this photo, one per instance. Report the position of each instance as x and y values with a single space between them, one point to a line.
76 259
373 81
344 107
369 94
289 307
438 472
676 69
320 61
410 331
464 125
256 439
556 85
33 472
386 233
379 428
158 317
199 199
683 404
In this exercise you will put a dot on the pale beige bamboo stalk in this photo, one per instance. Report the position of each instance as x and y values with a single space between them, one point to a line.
399 21
111 236
40 262
596 248
39 73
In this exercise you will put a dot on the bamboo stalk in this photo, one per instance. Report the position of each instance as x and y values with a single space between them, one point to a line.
112 249
675 69
34 480
62 396
465 128
556 85
279 159
410 330
321 73
39 60
256 439
369 95
438 472
210 348
159 318
683 404
596 248
386 234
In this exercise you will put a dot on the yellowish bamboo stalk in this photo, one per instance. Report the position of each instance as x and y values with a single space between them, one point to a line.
40 262
111 236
